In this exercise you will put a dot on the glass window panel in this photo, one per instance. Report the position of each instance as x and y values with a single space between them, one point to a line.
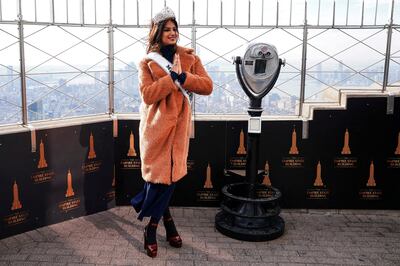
394 67
186 12
214 12
144 12
129 50
28 9
10 83
130 12
355 12
326 12
103 11
369 12
201 11
227 12
396 13
256 10
89 8
118 12
9 10
284 12
74 11
270 12
312 11
60 11
341 11
66 77
298 8
242 12
383 12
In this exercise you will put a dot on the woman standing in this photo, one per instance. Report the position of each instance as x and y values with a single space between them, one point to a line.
168 76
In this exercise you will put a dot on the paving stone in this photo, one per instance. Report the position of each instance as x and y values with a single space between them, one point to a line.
114 237
23 263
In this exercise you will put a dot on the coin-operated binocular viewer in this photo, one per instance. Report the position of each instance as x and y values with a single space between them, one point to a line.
250 210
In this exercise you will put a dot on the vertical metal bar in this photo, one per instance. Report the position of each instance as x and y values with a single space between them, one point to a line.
193 15
110 69
110 64
277 13
179 10
221 13
376 11
319 11
66 8
110 14
362 14
262 13
1 12
82 9
347 12
18 7
290 13
123 7
95 11
137 12
334 13
22 66
35 11
388 47
234 12
207 13
52 19
151 9
303 63
249 14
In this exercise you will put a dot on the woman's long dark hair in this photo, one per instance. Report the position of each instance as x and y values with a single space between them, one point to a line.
154 40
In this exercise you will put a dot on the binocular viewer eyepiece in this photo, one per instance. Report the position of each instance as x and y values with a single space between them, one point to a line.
258 70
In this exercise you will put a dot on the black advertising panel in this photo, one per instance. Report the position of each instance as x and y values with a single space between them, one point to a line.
127 161
351 159
205 178
69 175
284 158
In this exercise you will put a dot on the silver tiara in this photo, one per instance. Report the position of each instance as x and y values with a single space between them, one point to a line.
165 13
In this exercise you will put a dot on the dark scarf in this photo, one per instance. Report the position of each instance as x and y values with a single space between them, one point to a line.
168 52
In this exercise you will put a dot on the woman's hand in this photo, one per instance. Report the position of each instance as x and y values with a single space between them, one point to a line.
176 66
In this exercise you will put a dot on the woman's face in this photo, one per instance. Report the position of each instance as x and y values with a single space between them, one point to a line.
170 34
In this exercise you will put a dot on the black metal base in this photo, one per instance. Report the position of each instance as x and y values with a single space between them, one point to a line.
254 218
225 224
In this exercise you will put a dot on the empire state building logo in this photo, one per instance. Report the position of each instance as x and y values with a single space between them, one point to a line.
242 149
16 204
92 153
131 151
42 161
293 148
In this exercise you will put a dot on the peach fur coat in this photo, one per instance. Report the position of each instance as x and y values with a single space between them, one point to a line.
165 117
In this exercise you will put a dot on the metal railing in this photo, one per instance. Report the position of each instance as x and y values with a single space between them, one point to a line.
287 14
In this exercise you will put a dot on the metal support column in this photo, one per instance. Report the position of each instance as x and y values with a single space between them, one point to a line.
388 47
303 63
192 135
82 10
22 65
110 64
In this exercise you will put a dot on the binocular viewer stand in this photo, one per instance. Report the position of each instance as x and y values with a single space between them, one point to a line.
249 210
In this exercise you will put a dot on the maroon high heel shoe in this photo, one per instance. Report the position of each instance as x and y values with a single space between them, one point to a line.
151 249
174 240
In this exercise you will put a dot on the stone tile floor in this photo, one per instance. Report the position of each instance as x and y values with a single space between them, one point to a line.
114 237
